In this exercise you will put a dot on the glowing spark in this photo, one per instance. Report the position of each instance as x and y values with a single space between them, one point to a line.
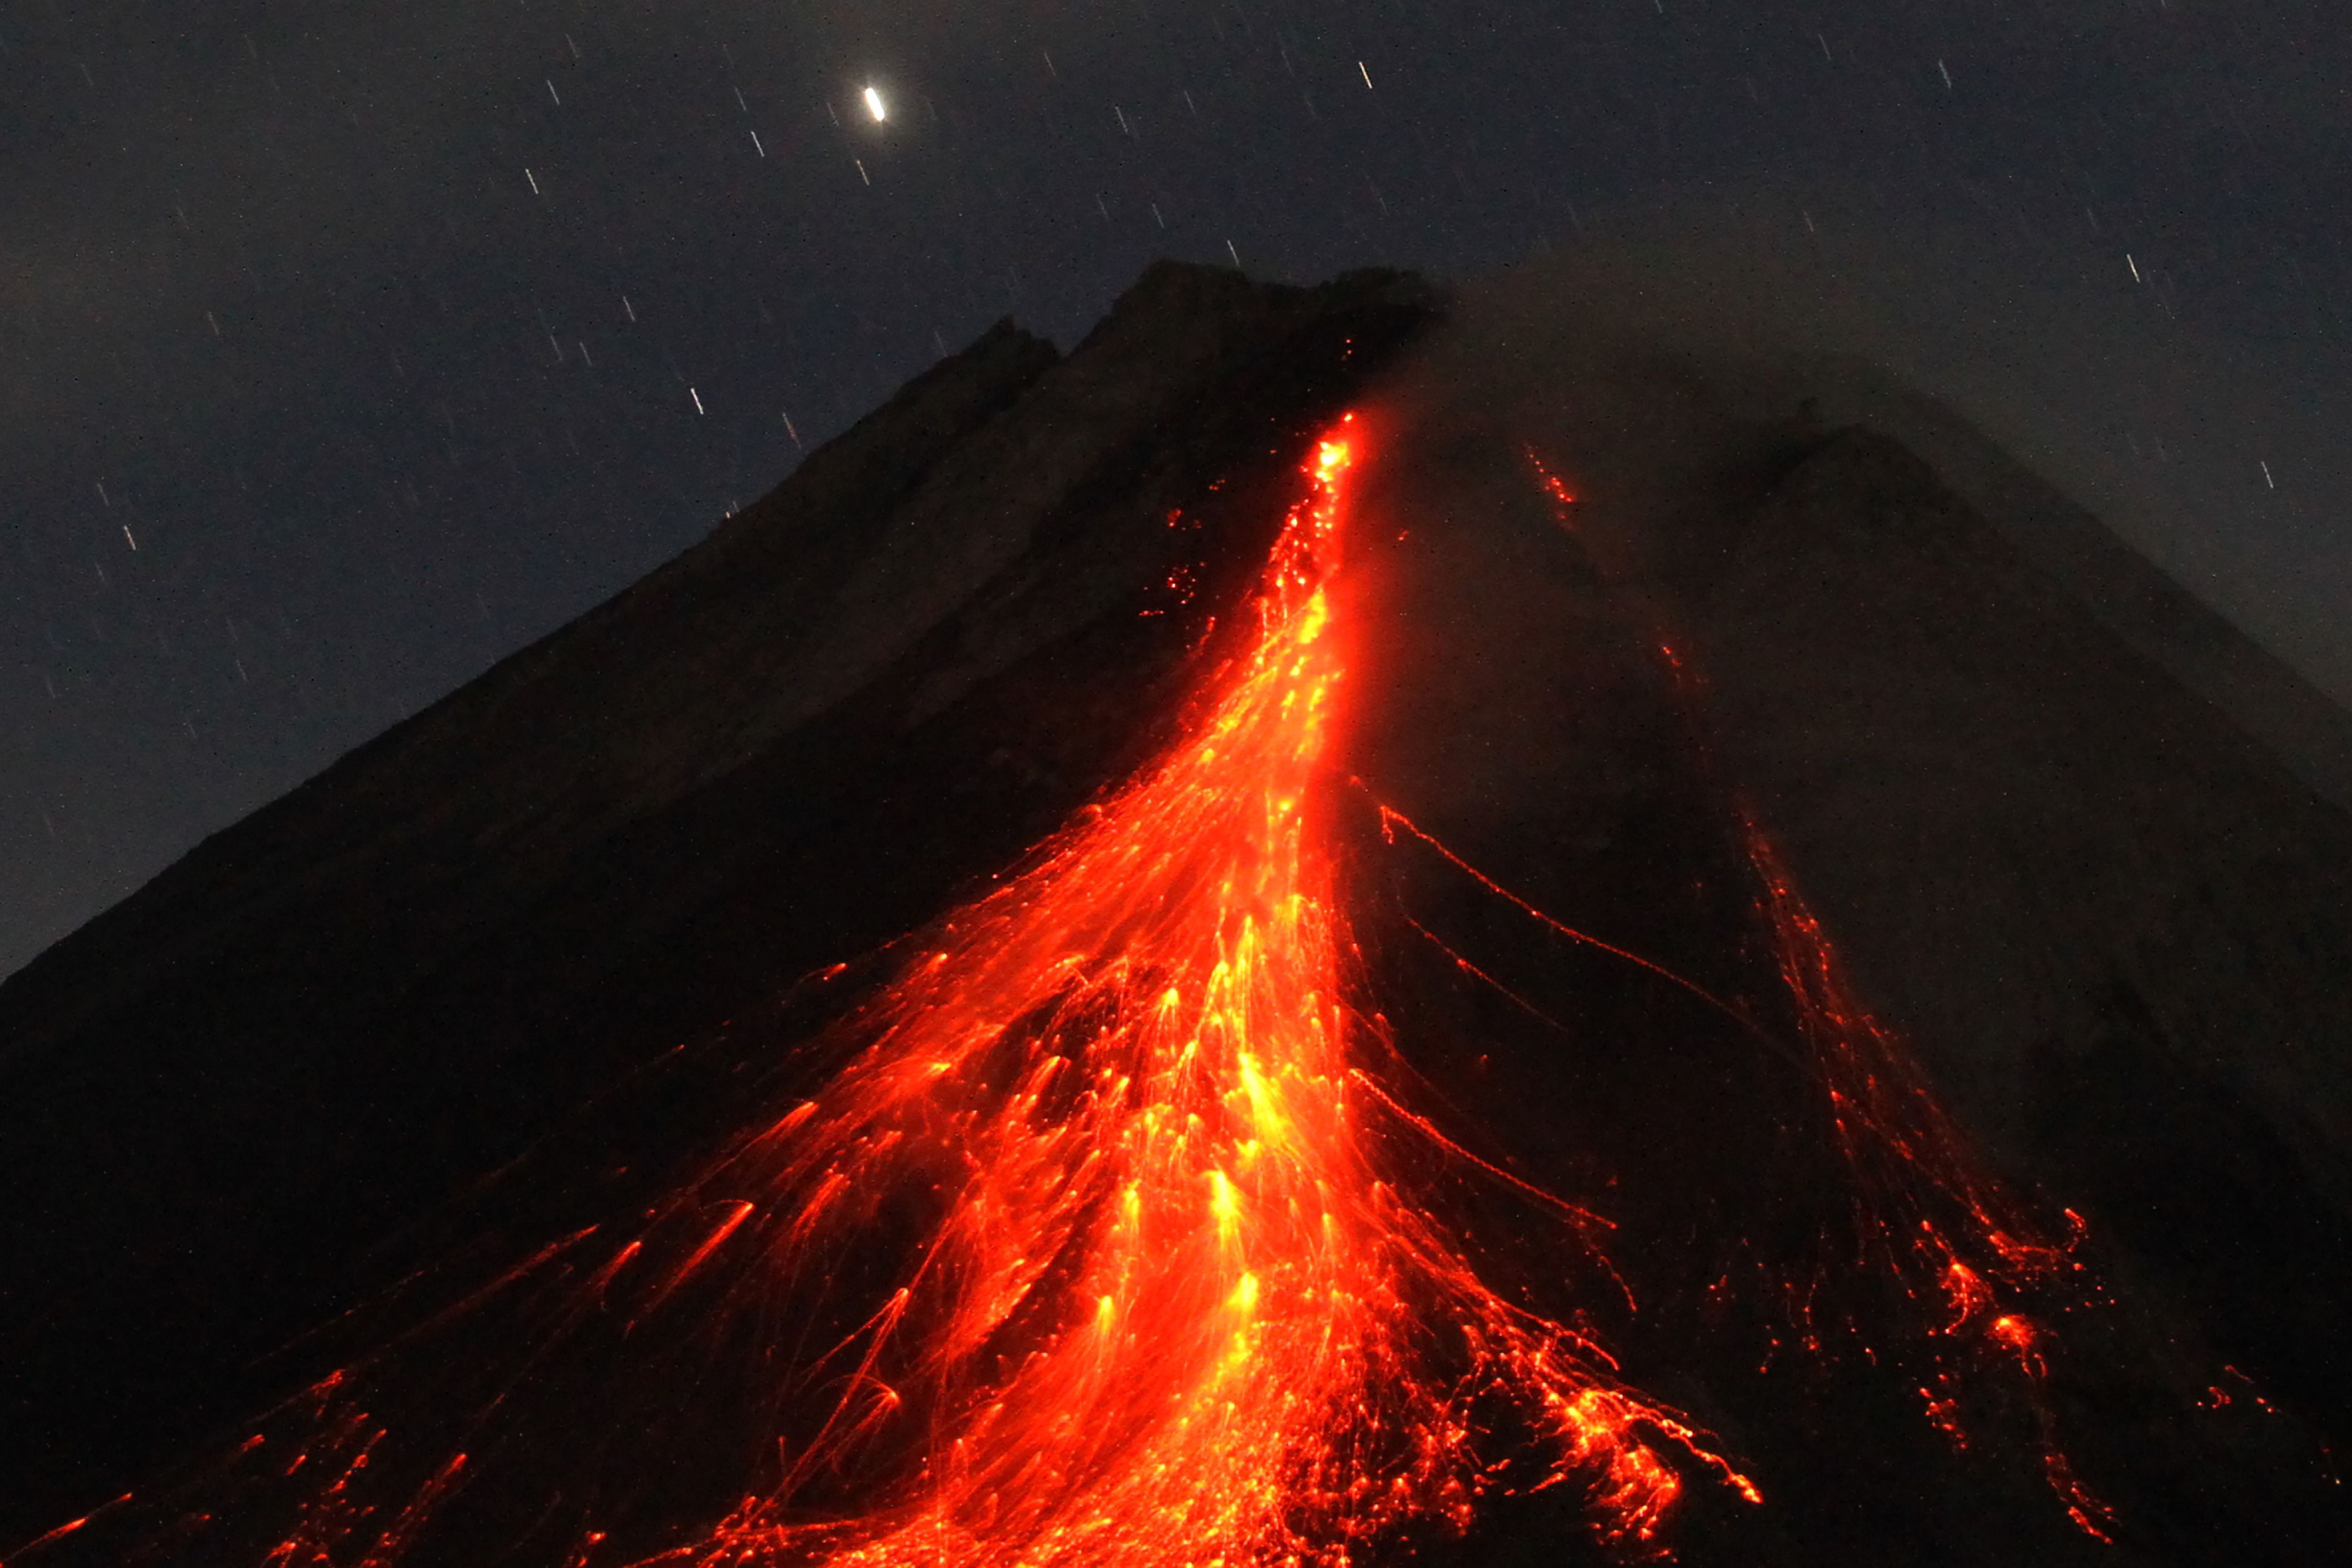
68 1528
875 106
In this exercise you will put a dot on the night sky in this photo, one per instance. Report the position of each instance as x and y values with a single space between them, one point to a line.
346 347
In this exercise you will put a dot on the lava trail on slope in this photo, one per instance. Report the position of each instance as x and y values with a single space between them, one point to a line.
1101 1245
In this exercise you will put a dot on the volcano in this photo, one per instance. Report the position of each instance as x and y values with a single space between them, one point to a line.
1349 926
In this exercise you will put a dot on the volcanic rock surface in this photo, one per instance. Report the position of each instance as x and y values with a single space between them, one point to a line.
1991 751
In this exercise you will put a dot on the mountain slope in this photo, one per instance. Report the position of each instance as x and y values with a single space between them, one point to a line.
1708 837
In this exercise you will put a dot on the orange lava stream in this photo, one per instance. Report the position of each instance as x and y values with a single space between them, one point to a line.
1159 1304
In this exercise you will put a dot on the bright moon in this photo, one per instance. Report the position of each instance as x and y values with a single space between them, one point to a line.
873 104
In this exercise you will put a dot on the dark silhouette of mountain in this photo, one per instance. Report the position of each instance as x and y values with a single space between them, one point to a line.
380 1023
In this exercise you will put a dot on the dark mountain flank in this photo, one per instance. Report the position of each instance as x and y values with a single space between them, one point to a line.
1768 821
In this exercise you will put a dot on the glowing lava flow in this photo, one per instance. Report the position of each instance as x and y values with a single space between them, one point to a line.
1087 1255
1161 1306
